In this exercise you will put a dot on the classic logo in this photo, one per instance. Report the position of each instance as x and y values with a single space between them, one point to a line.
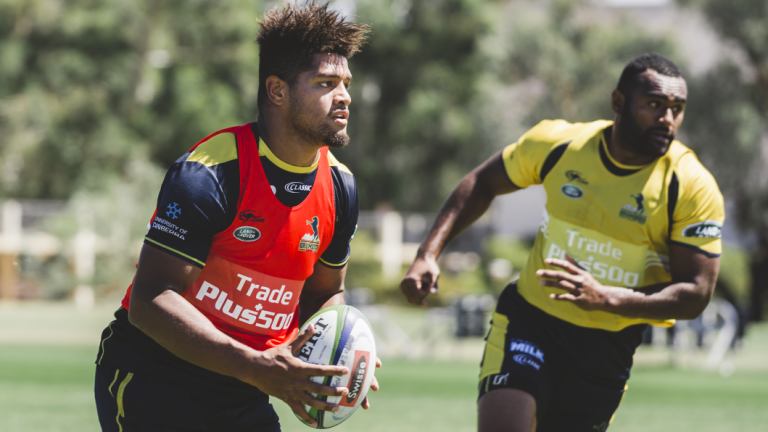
311 241
571 191
636 212
575 176
247 234
361 363
249 216
297 187
706 229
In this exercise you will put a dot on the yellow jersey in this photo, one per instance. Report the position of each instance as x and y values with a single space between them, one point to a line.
616 221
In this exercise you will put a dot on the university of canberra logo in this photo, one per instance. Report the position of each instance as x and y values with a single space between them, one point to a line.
311 241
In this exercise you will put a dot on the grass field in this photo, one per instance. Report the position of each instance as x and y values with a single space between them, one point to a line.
46 367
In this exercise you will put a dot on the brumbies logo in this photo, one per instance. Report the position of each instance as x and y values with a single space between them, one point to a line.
635 212
311 241
706 229
247 234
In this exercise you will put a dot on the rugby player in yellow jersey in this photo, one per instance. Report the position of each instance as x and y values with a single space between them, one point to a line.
630 238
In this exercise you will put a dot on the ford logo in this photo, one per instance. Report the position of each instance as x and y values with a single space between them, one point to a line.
571 191
247 234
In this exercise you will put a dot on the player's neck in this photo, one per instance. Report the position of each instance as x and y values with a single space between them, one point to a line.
285 143
620 151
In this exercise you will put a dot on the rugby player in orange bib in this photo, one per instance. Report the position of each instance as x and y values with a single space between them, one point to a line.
250 236
630 238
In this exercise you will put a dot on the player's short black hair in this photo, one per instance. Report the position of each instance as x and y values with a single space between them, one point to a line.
641 63
291 35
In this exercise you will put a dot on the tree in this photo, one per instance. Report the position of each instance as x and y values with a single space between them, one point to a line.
90 87
420 120
730 125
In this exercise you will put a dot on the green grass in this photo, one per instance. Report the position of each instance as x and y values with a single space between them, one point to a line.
45 385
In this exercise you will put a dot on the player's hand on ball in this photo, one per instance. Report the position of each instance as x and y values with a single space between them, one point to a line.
374 386
420 280
579 285
287 378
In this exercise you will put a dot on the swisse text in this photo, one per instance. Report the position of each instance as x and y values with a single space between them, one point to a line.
357 378
256 316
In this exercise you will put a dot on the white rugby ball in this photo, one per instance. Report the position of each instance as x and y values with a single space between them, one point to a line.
342 337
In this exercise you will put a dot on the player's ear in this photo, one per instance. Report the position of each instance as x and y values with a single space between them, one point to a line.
276 90
617 101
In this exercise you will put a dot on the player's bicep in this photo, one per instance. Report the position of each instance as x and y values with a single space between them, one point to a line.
493 178
158 271
689 264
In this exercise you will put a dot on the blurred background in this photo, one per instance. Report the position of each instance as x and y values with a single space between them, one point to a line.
97 98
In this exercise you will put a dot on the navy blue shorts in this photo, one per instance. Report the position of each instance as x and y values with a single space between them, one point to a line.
576 375
139 386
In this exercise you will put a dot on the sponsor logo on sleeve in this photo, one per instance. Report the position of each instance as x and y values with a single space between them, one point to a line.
706 229
247 234
173 210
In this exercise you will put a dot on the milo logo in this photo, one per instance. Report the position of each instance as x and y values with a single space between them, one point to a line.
247 234
360 366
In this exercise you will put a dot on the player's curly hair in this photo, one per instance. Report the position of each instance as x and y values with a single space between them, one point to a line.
291 35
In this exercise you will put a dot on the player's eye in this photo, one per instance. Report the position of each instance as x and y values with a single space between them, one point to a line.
654 104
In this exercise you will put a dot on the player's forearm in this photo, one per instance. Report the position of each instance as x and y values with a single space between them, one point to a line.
681 300
179 327
465 205
310 305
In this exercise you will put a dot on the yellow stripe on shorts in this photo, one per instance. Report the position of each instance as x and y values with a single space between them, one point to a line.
120 405
494 346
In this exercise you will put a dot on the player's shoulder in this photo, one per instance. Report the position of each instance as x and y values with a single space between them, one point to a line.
217 148
556 131
694 179
687 165
336 165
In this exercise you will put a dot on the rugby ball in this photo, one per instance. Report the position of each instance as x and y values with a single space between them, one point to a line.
342 337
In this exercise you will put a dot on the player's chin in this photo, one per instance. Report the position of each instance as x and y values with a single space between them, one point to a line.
337 140
657 146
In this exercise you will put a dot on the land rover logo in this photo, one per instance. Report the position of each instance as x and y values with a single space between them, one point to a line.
571 191
247 234
703 230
